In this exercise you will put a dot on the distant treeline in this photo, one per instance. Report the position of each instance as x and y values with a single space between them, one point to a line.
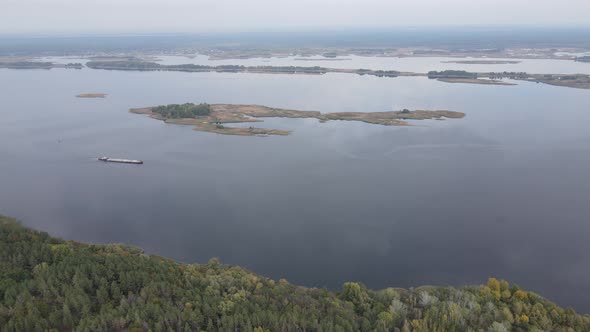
583 59
47 284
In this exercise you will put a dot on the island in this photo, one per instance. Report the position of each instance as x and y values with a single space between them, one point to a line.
214 117
92 95
49 284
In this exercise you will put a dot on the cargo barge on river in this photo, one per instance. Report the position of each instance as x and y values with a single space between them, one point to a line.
123 161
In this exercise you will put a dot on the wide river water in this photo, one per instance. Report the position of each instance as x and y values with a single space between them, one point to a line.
503 192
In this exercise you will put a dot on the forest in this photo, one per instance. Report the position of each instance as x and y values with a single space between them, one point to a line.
48 284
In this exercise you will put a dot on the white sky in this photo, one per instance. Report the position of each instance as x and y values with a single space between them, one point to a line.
17 16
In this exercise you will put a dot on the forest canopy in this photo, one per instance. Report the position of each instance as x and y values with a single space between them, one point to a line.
47 284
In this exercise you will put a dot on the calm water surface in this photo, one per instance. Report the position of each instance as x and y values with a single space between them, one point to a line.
503 192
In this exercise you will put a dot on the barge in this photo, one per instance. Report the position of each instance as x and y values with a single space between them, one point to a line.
123 161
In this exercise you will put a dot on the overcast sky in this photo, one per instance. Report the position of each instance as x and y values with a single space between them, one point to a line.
17 16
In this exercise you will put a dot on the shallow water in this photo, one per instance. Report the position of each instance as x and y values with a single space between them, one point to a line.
502 192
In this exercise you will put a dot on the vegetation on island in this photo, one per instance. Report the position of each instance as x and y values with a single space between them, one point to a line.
585 58
180 111
47 284
211 118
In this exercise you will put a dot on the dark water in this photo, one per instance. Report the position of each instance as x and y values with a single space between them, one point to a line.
503 192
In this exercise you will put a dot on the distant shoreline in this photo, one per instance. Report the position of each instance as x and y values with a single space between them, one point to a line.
578 81
126 63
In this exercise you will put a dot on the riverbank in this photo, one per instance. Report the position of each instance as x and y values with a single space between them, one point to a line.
52 284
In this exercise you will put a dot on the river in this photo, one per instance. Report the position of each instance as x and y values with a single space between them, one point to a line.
502 192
